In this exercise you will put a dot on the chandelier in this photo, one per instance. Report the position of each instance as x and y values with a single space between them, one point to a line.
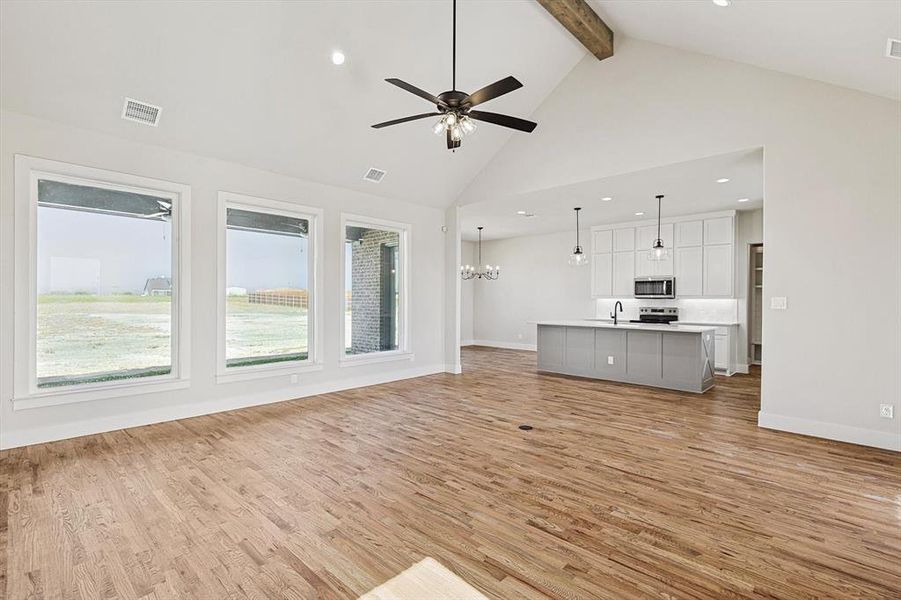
481 271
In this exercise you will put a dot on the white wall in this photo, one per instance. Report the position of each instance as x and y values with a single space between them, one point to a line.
833 209
467 307
535 283
34 137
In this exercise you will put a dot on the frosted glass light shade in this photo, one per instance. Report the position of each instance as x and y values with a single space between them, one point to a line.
658 252
578 258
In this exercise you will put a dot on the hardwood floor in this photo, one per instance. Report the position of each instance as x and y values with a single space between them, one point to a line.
617 492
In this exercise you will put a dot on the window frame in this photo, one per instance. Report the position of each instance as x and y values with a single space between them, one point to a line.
313 362
26 393
404 351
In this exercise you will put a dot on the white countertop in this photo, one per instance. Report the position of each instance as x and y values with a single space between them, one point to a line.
626 325
681 322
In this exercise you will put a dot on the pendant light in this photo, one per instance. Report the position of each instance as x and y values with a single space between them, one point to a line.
658 252
578 258
480 272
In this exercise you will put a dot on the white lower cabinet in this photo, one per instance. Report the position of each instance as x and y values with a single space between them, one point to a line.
725 352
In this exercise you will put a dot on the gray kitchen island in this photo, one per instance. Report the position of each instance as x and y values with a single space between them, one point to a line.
677 357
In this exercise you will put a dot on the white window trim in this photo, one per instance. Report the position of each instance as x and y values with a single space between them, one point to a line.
404 231
314 216
26 393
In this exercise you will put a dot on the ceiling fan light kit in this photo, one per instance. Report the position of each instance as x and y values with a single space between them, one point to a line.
456 108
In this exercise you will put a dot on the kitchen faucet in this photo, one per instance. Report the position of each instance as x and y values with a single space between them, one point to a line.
613 314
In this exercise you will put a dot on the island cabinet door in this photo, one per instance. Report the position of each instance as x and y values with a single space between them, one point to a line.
644 357
579 350
551 347
610 353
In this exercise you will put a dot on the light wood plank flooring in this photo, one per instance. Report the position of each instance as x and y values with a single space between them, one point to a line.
617 492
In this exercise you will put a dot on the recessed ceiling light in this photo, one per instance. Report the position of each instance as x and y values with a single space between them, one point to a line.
743 199
723 180
722 2
525 213
520 212
606 199
337 57
638 214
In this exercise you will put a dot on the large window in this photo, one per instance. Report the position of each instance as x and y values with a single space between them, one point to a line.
268 284
374 288
101 306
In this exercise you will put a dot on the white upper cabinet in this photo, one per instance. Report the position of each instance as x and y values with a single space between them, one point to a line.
718 262
601 275
602 241
646 235
718 231
702 254
624 274
689 264
624 239
689 233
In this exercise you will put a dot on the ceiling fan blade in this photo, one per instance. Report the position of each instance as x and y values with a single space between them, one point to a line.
489 92
504 120
405 119
415 90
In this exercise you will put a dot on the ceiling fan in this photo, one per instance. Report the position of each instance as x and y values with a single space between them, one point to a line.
456 108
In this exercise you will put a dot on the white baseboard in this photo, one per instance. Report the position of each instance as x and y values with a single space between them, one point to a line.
831 431
468 343
39 435
505 345
740 368
454 369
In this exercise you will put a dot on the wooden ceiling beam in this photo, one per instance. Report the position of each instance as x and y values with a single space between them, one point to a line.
585 24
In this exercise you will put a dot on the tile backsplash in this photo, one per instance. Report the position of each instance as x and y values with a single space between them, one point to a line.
690 310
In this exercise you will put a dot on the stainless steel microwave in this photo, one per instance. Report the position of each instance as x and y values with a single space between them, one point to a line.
655 287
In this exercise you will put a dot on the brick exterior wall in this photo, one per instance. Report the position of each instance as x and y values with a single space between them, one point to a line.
366 283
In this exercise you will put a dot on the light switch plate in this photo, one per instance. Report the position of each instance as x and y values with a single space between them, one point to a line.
886 411
609 360
779 303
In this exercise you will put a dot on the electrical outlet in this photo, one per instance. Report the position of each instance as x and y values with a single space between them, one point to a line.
886 411
609 360
519 336
295 378
779 303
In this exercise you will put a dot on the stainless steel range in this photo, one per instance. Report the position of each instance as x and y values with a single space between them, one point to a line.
656 314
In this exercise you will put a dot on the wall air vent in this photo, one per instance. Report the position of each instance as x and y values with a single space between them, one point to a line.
893 48
374 175
141 112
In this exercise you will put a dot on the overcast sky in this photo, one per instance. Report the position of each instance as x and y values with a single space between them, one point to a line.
97 253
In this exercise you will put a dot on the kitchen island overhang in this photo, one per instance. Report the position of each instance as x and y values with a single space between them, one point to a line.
676 357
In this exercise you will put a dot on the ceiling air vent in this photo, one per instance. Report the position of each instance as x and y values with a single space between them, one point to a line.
374 175
893 48
141 112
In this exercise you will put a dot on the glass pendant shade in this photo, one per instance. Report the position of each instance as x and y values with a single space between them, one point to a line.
578 258
658 251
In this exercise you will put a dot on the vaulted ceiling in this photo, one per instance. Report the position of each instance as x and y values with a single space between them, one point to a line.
253 83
